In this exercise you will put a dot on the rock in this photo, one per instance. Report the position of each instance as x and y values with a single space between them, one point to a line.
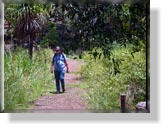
141 105
134 92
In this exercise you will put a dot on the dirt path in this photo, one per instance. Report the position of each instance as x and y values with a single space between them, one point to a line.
72 98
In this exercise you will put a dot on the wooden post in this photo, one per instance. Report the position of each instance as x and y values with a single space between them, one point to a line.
123 103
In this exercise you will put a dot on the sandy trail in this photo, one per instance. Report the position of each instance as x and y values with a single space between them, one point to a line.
72 98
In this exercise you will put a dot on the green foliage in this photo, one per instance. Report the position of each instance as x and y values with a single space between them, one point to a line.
84 25
109 71
27 20
51 38
26 79
99 24
24 13
104 86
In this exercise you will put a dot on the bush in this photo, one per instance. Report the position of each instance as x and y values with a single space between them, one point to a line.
51 38
26 79
105 84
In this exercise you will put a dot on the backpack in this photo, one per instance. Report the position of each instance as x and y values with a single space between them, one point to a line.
62 56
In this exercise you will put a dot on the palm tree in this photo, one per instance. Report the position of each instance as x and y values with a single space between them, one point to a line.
28 20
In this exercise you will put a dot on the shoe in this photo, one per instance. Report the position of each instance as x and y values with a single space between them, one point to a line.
63 90
57 92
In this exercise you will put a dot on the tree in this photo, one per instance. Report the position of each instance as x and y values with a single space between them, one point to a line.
102 23
27 21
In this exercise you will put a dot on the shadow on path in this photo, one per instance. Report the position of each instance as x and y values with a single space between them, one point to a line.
72 98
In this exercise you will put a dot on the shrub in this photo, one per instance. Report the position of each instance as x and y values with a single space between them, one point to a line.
51 38
105 84
26 79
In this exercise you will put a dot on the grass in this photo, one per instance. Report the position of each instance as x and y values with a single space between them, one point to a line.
25 79
104 87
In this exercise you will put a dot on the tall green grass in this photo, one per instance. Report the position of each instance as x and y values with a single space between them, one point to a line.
26 79
104 87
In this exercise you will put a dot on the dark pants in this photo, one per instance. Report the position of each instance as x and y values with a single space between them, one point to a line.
59 77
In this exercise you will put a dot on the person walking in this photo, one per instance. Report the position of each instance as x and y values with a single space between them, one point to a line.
59 66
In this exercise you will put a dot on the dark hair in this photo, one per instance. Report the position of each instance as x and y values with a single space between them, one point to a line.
55 48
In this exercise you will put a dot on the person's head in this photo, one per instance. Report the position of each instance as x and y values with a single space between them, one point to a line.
57 50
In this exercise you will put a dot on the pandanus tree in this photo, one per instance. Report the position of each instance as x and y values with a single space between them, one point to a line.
28 20
28 24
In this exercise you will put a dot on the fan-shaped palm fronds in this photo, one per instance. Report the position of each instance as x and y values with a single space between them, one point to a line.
27 24
28 20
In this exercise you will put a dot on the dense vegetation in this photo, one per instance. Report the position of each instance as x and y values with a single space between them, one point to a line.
26 79
111 38
105 83
79 25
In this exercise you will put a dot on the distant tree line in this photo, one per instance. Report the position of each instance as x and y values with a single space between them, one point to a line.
74 25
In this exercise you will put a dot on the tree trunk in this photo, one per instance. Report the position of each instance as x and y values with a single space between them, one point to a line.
30 47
